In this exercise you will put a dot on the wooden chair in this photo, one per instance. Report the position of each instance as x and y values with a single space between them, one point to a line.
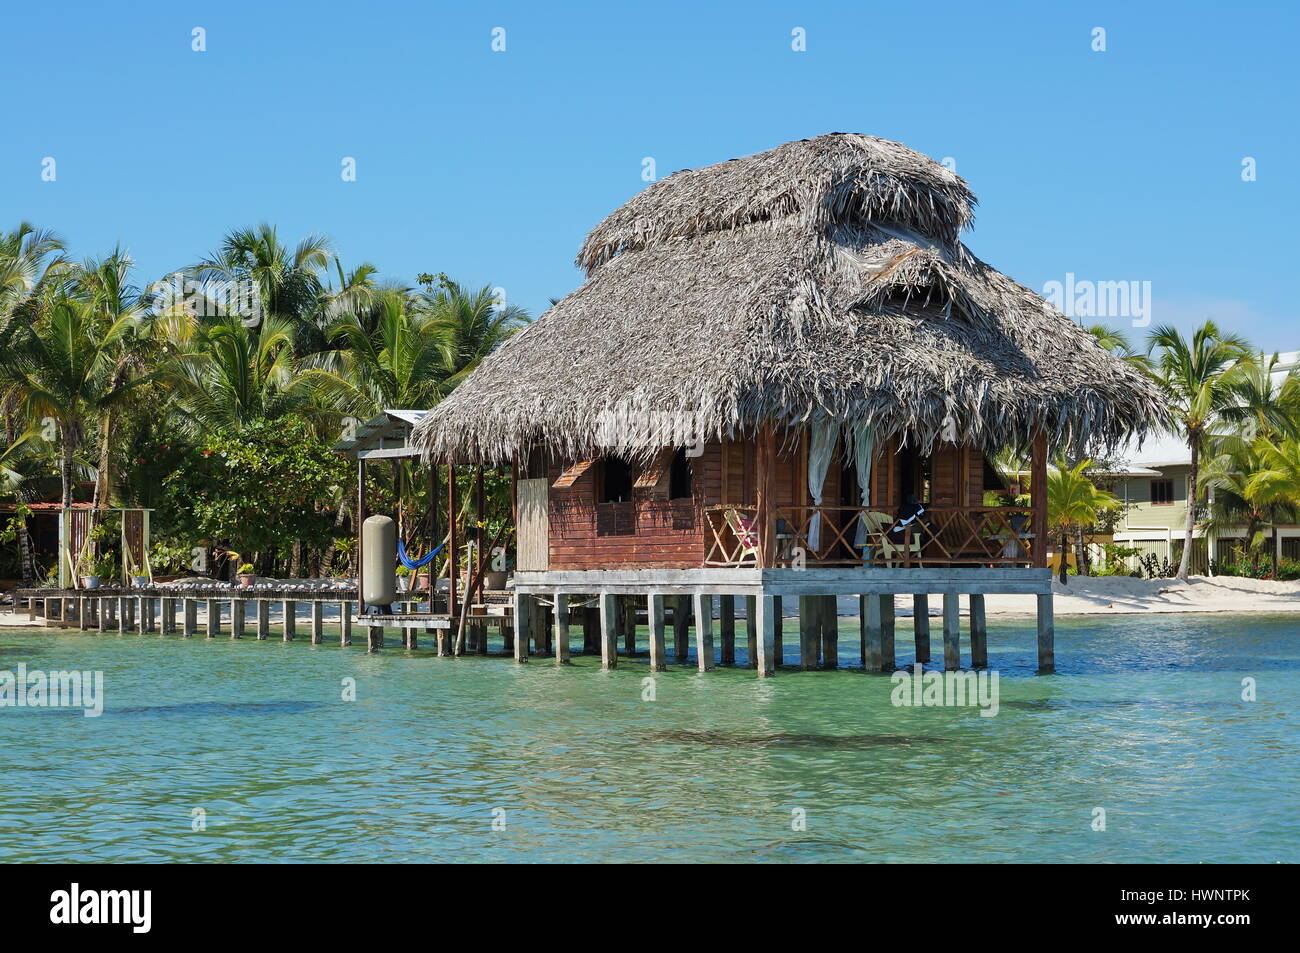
878 526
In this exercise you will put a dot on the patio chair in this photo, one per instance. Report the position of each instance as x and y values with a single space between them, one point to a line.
878 526
745 529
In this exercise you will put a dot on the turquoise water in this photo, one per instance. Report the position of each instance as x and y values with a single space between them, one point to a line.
1145 719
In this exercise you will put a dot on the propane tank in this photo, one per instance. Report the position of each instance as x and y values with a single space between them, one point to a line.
378 560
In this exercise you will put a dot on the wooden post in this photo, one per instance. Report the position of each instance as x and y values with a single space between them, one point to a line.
590 630
374 638
169 615
765 463
951 632
778 632
1046 635
765 630
290 619
317 622
869 629
704 631
523 625
751 631
540 630
361 518
727 627
214 618
190 617
979 633
263 619
608 633
921 625
126 612
681 628
101 614
1038 499
655 620
888 658
237 607
809 609
561 628
452 543
629 625
345 623
830 633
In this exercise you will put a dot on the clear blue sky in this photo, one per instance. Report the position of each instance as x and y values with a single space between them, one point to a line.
1118 165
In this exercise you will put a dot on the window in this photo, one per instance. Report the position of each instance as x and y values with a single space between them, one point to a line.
615 481
679 480
1162 492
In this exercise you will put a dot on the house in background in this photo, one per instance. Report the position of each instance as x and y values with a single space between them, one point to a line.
1156 493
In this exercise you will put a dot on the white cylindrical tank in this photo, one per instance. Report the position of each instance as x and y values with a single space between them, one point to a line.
378 561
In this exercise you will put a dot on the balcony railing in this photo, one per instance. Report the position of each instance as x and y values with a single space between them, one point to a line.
996 536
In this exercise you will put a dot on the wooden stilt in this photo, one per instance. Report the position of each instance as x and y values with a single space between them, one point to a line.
727 628
317 622
655 621
561 628
979 632
290 619
830 633
809 610
682 628
704 631
629 625
869 631
101 614
237 609
263 619
125 614
778 632
921 626
345 623
537 626
751 631
765 636
888 657
189 617
590 630
1046 635
83 613
608 632
523 627
213 626
951 632
374 638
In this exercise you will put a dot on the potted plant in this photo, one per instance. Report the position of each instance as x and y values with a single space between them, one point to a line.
95 570
247 577
403 579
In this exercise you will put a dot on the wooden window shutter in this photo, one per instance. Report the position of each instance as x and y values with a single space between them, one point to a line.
655 476
572 474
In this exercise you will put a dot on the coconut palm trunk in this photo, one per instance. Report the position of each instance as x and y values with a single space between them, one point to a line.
1193 476
26 557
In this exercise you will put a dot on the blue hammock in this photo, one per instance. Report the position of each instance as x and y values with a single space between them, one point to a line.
417 563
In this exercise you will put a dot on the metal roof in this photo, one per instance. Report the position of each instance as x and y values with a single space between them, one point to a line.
389 431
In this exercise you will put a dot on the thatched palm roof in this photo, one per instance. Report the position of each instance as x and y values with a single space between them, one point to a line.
821 278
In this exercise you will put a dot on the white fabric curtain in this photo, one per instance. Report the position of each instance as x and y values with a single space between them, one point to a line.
820 450
864 444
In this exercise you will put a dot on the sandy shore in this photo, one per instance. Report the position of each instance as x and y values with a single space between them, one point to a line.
1108 595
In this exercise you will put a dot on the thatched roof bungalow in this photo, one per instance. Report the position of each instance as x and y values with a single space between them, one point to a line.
809 318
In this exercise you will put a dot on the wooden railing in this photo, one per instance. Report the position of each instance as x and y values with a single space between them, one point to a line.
998 536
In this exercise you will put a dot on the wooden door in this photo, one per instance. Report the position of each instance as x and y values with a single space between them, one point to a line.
533 528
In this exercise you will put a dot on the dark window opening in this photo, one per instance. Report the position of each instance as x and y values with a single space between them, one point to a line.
1162 492
679 479
615 481
535 465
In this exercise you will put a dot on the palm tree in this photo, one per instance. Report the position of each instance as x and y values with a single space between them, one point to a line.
1197 377
106 287
1073 503
470 325
63 368
1259 406
287 281
1227 474
231 374
30 260
10 484
1277 481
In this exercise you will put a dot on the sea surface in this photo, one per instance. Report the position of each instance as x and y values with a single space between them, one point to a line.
1141 748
